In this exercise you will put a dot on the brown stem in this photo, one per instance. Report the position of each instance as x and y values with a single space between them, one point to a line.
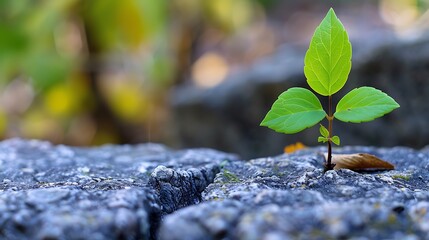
329 165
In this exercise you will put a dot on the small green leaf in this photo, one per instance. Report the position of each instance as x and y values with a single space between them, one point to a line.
364 104
322 139
328 59
295 110
323 131
336 140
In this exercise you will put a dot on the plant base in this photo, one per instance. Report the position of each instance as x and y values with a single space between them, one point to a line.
329 166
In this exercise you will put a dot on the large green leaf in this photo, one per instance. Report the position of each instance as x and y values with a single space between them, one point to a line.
364 104
328 59
295 110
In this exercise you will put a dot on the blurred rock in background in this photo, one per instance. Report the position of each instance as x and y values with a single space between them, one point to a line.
192 73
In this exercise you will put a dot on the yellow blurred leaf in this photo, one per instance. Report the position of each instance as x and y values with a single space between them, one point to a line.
128 103
125 24
66 98
3 123
131 23
59 101
125 96
230 15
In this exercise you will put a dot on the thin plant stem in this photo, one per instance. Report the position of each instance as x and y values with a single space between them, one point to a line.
329 165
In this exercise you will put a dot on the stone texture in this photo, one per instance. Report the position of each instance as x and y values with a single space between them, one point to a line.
109 192
227 116
289 197
150 192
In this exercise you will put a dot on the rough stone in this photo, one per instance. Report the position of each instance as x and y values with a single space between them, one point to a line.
289 197
109 192
150 192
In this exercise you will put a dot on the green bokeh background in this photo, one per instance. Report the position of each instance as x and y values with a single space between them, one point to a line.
85 72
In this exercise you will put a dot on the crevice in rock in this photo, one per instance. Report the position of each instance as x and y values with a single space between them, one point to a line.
181 188
177 189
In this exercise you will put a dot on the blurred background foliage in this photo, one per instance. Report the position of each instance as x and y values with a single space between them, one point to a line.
91 72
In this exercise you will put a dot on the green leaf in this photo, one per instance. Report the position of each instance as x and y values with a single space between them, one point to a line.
322 139
295 110
323 131
364 104
336 140
328 59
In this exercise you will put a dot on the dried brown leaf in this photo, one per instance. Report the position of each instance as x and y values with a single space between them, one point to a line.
360 161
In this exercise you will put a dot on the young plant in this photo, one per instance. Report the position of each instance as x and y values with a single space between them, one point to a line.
327 66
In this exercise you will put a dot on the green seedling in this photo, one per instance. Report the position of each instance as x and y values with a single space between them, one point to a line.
327 66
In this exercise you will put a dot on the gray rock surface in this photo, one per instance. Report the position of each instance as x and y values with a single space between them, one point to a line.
150 192
109 192
289 197
227 116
